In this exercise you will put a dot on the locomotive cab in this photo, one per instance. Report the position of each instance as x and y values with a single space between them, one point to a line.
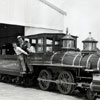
50 48
45 42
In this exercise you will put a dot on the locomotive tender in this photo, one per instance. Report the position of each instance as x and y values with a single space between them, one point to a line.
58 61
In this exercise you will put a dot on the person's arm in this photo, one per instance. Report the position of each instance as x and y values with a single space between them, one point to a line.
15 52
22 51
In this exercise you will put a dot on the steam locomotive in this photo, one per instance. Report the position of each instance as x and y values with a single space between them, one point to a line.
57 61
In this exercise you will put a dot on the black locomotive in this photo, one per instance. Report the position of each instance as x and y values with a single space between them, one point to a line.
57 60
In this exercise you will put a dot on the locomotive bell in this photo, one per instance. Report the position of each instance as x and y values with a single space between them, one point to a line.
90 44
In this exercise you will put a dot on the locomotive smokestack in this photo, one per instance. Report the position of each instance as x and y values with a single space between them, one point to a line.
90 35
67 31
89 32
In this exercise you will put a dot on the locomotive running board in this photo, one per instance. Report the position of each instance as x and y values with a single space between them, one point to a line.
92 70
58 65
11 72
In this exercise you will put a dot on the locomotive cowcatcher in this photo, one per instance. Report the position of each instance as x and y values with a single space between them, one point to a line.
57 62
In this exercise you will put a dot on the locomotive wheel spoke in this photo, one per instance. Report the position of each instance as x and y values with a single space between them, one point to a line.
64 86
45 75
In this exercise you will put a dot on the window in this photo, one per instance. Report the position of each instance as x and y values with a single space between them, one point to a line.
48 45
33 41
40 45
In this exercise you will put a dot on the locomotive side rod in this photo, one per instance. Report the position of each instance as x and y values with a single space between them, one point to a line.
86 85
56 81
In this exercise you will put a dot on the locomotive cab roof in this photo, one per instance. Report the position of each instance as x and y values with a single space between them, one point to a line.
47 35
58 36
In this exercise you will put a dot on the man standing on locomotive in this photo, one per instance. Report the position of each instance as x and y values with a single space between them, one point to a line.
23 45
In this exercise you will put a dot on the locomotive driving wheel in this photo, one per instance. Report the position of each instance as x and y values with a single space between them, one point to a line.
43 77
64 85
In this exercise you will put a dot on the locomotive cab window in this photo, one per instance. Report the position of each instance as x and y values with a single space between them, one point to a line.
49 45
40 45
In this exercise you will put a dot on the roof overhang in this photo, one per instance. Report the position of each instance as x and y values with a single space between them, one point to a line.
54 7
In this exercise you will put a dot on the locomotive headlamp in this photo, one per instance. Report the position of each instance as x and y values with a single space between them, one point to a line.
89 44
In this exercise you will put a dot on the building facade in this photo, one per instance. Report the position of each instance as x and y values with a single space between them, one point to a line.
28 17
35 15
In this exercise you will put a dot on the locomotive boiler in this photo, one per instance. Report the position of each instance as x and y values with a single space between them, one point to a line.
58 63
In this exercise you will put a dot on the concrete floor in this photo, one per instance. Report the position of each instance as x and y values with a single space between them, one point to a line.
13 92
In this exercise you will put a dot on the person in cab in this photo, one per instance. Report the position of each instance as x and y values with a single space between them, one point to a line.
30 48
